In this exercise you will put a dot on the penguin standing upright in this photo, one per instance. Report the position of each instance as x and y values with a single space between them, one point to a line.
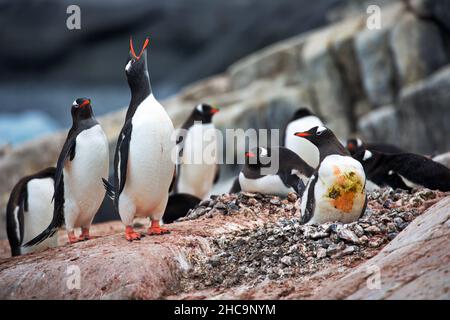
143 166
82 164
196 175
404 170
30 211
336 190
291 175
303 120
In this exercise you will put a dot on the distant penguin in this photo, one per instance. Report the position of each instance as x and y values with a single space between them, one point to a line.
336 190
143 166
303 120
82 164
404 170
291 176
196 175
178 206
30 211
354 145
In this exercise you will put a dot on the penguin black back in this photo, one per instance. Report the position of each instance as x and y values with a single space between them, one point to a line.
18 199
356 145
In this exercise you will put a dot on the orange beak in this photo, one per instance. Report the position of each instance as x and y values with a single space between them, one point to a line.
351 146
250 155
214 110
85 103
142 51
302 134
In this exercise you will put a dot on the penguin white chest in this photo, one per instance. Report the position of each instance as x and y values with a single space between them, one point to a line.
198 164
150 165
339 191
83 188
305 149
270 184
39 214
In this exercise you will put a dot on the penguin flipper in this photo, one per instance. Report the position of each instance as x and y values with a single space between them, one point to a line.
121 160
310 200
109 188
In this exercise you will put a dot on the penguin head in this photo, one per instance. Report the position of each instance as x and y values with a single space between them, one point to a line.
137 64
317 135
301 113
354 145
81 109
258 157
204 112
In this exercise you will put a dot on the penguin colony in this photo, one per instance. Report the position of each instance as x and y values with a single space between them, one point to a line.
330 179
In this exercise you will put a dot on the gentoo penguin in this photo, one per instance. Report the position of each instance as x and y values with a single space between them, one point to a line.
291 176
404 170
336 190
143 166
197 144
355 145
82 164
302 120
30 211
178 206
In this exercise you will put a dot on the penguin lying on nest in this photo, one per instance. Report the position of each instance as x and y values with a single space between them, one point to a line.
82 164
403 170
291 176
355 145
30 211
336 190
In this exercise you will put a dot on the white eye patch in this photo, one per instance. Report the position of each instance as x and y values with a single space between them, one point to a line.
74 103
320 130
367 155
358 142
200 108
128 66
263 152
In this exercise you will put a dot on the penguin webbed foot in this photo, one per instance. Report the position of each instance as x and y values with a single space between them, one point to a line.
72 237
132 235
155 229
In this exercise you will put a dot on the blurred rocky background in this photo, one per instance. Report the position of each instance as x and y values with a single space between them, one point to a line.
388 85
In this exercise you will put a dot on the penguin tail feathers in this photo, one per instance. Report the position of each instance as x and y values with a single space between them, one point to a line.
47 233
109 189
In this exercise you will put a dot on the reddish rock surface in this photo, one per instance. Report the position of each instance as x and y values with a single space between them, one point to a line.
414 265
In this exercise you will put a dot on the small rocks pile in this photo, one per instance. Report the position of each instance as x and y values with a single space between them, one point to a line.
284 248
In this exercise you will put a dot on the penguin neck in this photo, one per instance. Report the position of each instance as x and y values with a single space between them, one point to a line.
140 89
332 147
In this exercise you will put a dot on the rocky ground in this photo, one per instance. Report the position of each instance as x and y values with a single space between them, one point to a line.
283 248
249 246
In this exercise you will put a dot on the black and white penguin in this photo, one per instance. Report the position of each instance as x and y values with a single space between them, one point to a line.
354 145
30 211
303 120
178 206
336 190
143 165
198 167
291 175
82 164
404 170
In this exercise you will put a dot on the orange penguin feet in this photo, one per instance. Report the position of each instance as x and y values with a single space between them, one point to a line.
131 235
85 235
72 237
155 229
